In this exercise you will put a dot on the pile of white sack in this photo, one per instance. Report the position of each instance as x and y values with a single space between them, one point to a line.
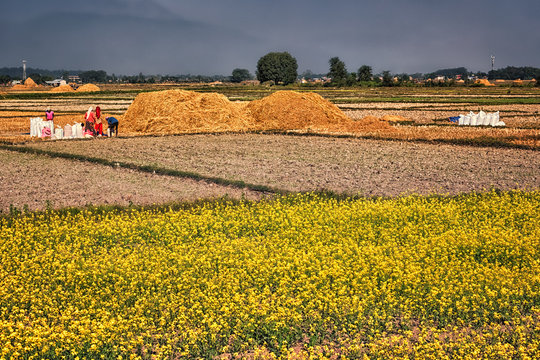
37 125
481 119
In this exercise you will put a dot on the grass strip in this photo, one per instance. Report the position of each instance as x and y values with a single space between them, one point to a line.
145 168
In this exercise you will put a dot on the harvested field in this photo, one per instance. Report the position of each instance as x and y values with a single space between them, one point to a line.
37 180
515 116
305 163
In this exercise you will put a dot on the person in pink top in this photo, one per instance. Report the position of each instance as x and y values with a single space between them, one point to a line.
49 114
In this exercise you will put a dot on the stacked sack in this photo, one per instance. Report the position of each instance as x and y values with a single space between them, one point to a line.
42 129
38 125
480 119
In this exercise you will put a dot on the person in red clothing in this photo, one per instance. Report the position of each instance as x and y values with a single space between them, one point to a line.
90 119
99 125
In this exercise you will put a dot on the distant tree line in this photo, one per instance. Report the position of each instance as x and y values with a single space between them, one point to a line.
514 73
282 68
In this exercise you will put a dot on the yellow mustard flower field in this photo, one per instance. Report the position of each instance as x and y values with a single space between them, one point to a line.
305 276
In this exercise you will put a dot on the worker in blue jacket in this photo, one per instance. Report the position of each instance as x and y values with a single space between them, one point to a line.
113 125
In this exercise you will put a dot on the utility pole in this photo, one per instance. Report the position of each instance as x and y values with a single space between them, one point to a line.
23 70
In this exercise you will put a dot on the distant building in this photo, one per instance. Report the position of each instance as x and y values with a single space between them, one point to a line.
74 79
56 82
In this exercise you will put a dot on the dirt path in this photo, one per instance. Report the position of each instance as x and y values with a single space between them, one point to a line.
353 166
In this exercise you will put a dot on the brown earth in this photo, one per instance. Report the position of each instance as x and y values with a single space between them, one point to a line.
306 163
34 180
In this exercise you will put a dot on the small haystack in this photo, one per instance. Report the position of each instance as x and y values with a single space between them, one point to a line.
62 88
19 87
179 111
484 82
29 83
88 88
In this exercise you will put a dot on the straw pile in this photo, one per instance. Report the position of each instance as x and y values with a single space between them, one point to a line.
179 111
19 87
62 88
88 88
29 83
393 118
484 82
290 110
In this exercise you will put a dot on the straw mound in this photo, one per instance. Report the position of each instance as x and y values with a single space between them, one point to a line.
19 87
62 88
393 118
290 110
29 83
484 82
88 88
373 124
179 111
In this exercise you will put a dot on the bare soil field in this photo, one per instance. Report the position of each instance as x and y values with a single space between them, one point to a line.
307 163
41 181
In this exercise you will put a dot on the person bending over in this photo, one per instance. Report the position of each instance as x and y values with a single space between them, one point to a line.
113 125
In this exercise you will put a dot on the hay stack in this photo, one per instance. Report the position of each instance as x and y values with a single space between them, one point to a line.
29 83
290 110
62 88
19 87
88 88
484 82
179 111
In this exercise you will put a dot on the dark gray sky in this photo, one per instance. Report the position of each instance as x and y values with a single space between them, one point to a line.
216 36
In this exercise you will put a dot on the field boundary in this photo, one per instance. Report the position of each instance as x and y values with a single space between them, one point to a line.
145 169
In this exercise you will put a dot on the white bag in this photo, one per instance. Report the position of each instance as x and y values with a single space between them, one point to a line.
474 120
59 133
460 120
467 120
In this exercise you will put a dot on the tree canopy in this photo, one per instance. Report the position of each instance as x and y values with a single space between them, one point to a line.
239 75
338 71
365 73
279 67
514 73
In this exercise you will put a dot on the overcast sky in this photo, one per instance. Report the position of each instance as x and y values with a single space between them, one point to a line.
215 36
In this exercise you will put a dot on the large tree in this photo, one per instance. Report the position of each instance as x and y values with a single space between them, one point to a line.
338 71
365 73
279 67
239 75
